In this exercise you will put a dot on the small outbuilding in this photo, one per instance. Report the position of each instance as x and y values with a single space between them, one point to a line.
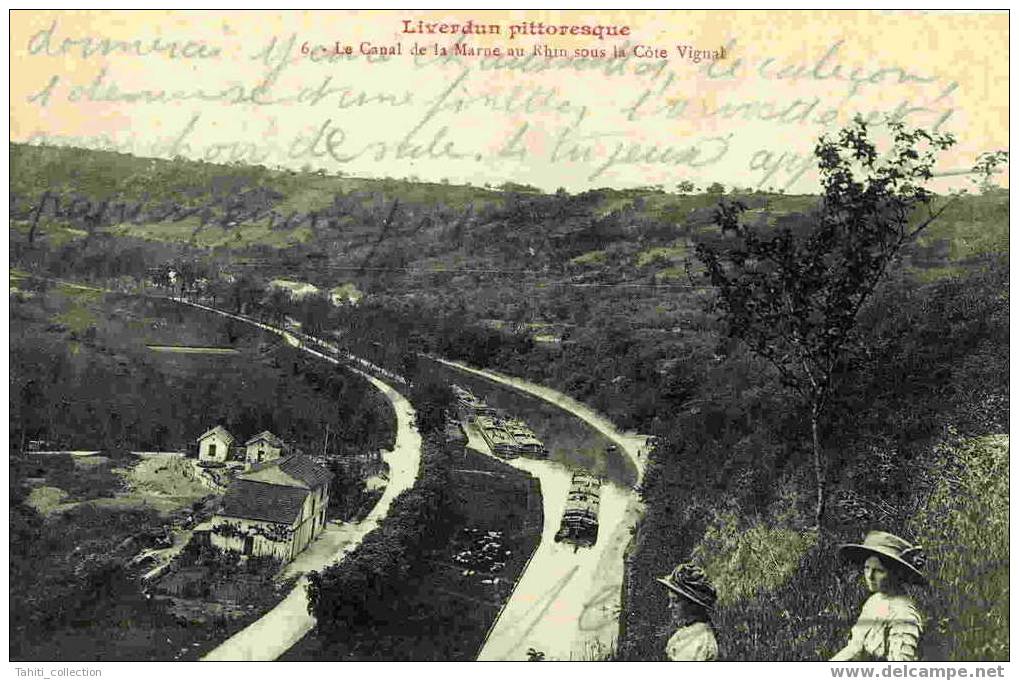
263 447
214 445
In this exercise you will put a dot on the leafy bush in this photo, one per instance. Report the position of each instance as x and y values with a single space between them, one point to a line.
363 589
748 559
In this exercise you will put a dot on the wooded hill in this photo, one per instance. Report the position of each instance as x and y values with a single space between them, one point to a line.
598 294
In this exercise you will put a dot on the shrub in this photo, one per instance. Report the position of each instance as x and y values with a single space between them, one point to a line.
362 590
965 527
746 559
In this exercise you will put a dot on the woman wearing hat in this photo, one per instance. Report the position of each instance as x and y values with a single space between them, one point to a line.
889 626
691 597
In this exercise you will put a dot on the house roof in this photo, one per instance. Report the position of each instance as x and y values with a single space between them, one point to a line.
306 470
302 470
254 500
217 430
268 437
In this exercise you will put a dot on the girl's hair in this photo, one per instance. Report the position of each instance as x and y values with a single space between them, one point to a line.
693 612
898 574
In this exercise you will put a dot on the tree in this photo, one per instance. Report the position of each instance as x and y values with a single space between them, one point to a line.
988 163
432 400
794 297
277 304
244 292
314 312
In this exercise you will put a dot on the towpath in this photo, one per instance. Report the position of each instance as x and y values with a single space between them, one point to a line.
566 604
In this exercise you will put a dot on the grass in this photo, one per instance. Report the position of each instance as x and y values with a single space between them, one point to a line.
67 482
78 306
55 233
670 274
931 274
662 254
965 527
783 596
747 560
46 499
77 319
590 258
74 482
213 236
972 227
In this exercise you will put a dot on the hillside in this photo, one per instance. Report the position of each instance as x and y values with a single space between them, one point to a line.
399 237
597 294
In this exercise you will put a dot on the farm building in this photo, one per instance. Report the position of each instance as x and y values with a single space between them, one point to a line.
214 445
263 447
276 508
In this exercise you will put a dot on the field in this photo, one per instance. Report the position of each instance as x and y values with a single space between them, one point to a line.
60 482
493 527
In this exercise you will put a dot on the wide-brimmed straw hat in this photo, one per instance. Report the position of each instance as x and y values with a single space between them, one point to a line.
909 558
688 580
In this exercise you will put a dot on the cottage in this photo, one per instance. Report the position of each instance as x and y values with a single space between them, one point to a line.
276 508
263 447
214 445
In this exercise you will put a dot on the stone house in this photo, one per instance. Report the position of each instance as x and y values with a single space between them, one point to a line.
214 445
275 508
263 447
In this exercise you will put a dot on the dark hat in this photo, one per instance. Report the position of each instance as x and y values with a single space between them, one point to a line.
689 581
910 559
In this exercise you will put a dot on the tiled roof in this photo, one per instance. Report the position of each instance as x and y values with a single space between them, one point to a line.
300 468
263 501
305 470
268 437
218 430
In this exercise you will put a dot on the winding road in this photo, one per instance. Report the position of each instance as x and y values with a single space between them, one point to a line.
281 628
566 604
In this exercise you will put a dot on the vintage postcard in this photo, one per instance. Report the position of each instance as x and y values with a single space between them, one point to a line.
518 335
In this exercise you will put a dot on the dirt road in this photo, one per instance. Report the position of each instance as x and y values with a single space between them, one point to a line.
566 604
286 624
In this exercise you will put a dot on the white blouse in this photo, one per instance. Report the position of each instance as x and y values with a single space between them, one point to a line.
693 643
889 629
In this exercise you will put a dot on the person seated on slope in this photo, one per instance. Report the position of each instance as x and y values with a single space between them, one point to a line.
889 625
691 598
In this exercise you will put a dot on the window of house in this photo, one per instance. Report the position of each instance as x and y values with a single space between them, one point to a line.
212 449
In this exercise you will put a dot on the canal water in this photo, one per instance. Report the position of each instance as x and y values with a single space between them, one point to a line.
569 440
